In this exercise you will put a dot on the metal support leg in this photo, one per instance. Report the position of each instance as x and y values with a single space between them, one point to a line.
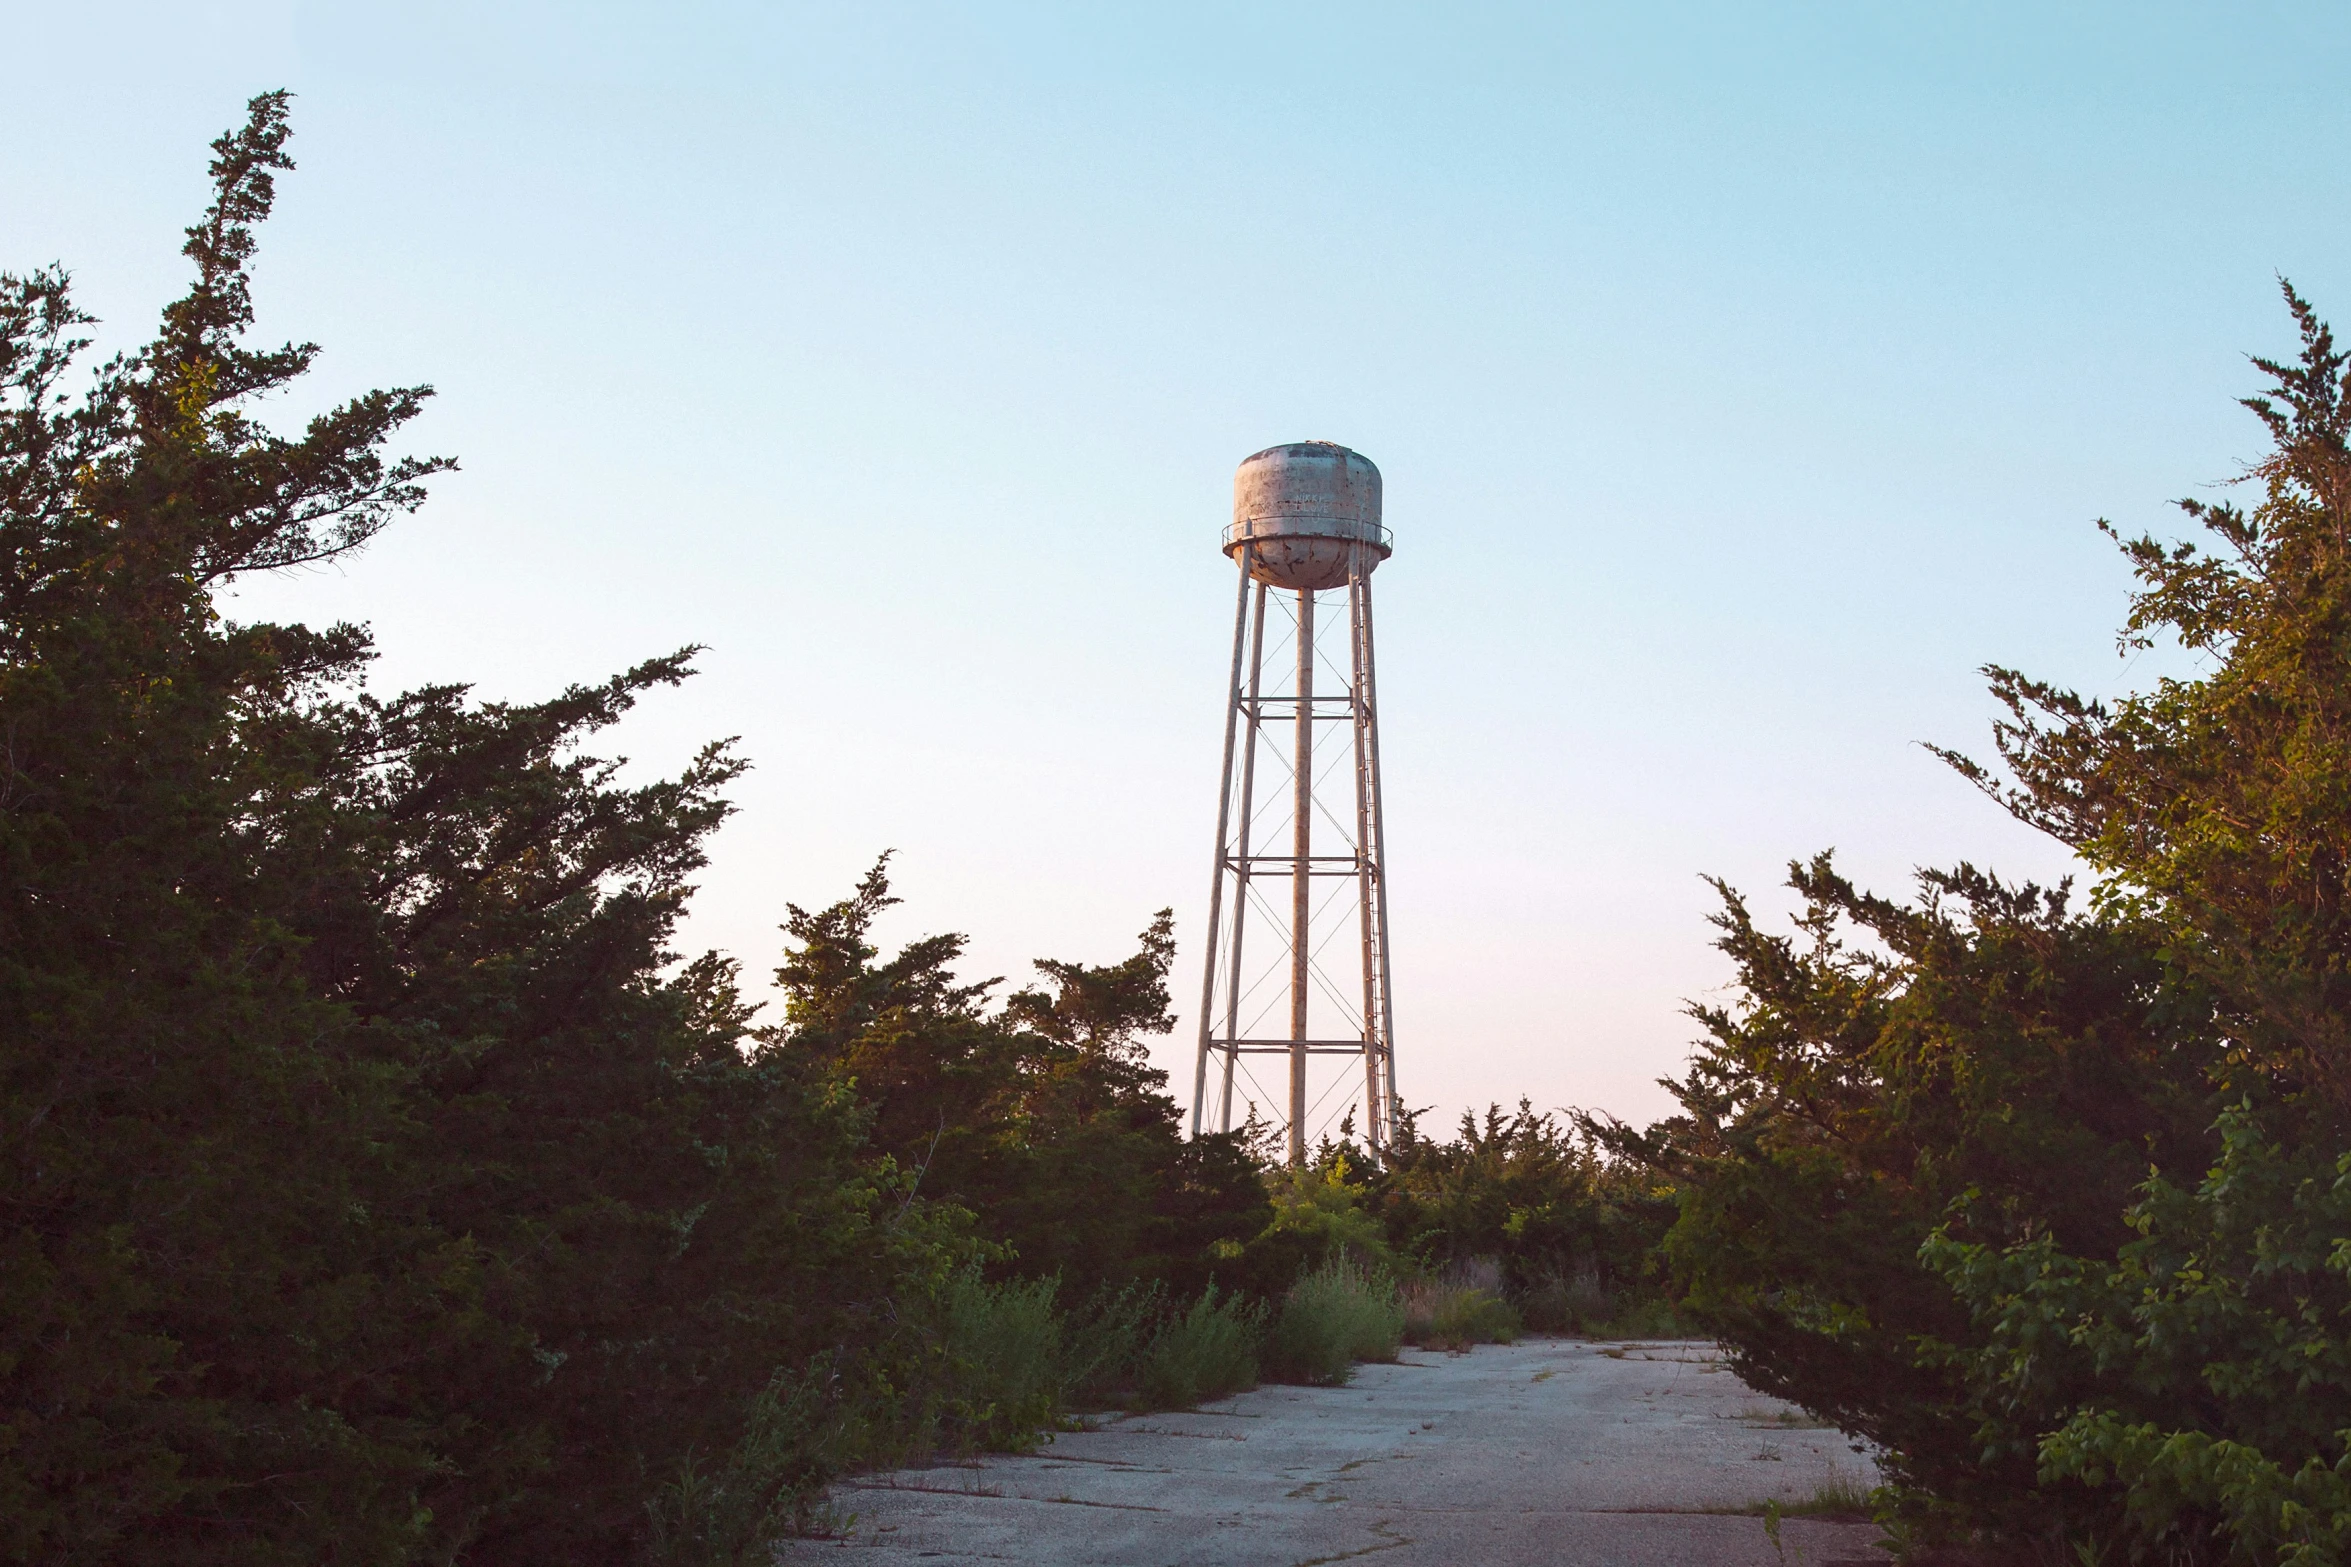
1374 1100
1232 989
1301 887
1224 801
1379 854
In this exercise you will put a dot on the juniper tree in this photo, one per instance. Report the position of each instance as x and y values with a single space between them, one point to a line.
379 1186
2050 1199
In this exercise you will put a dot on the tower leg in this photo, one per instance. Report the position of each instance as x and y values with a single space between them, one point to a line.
1301 881
1374 1100
1224 801
1232 989
1379 854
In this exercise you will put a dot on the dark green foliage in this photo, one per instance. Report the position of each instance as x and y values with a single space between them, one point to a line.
1541 1197
1207 1350
1985 1042
2193 1388
2201 1378
378 1185
1042 1118
2053 1203
213 1269
1336 1315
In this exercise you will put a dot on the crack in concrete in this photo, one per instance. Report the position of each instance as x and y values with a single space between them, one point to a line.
1390 1542
1107 1463
933 1490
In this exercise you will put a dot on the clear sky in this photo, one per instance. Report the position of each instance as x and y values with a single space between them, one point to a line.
1743 377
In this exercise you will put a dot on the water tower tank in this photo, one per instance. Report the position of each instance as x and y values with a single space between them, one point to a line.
1310 508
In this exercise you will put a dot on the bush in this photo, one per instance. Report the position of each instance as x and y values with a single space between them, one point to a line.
1005 1368
1205 1352
2052 1204
1102 1344
1573 1301
1451 1315
1340 1313
1537 1198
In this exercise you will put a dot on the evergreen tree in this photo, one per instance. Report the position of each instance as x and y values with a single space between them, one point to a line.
2194 1387
2054 1202
1042 1117
379 1186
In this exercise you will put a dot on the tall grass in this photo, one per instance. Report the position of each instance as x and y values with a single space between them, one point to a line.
1460 1307
1340 1313
1204 1352
1102 1340
1581 1300
994 1366
1016 1364
1570 1301
804 1428
981 1366
1005 1364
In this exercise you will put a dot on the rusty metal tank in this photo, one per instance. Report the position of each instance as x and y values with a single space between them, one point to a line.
1310 513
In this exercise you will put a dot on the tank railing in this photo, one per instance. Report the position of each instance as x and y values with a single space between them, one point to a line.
1353 532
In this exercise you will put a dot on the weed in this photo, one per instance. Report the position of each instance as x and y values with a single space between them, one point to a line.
1206 1352
1780 1417
1102 1344
1336 1315
1458 1309
1005 1368
800 1432
1567 1302
1841 1495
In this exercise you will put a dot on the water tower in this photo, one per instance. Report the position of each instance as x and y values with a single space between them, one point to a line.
1301 862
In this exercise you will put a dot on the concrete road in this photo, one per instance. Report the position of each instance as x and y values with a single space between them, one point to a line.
1550 1450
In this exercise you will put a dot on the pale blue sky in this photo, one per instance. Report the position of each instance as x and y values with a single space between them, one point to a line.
1742 377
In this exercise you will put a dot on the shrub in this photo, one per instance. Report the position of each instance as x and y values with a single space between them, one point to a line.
1449 1314
1204 1352
383 1186
1535 1196
1004 1371
804 1428
1317 1213
2052 1204
1103 1343
1340 1313
1571 1301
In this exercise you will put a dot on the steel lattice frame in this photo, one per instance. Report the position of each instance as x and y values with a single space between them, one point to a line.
1249 711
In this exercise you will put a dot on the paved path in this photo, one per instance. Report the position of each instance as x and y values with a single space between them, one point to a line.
1550 1450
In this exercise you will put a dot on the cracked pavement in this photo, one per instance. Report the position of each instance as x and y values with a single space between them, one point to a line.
1548 1450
